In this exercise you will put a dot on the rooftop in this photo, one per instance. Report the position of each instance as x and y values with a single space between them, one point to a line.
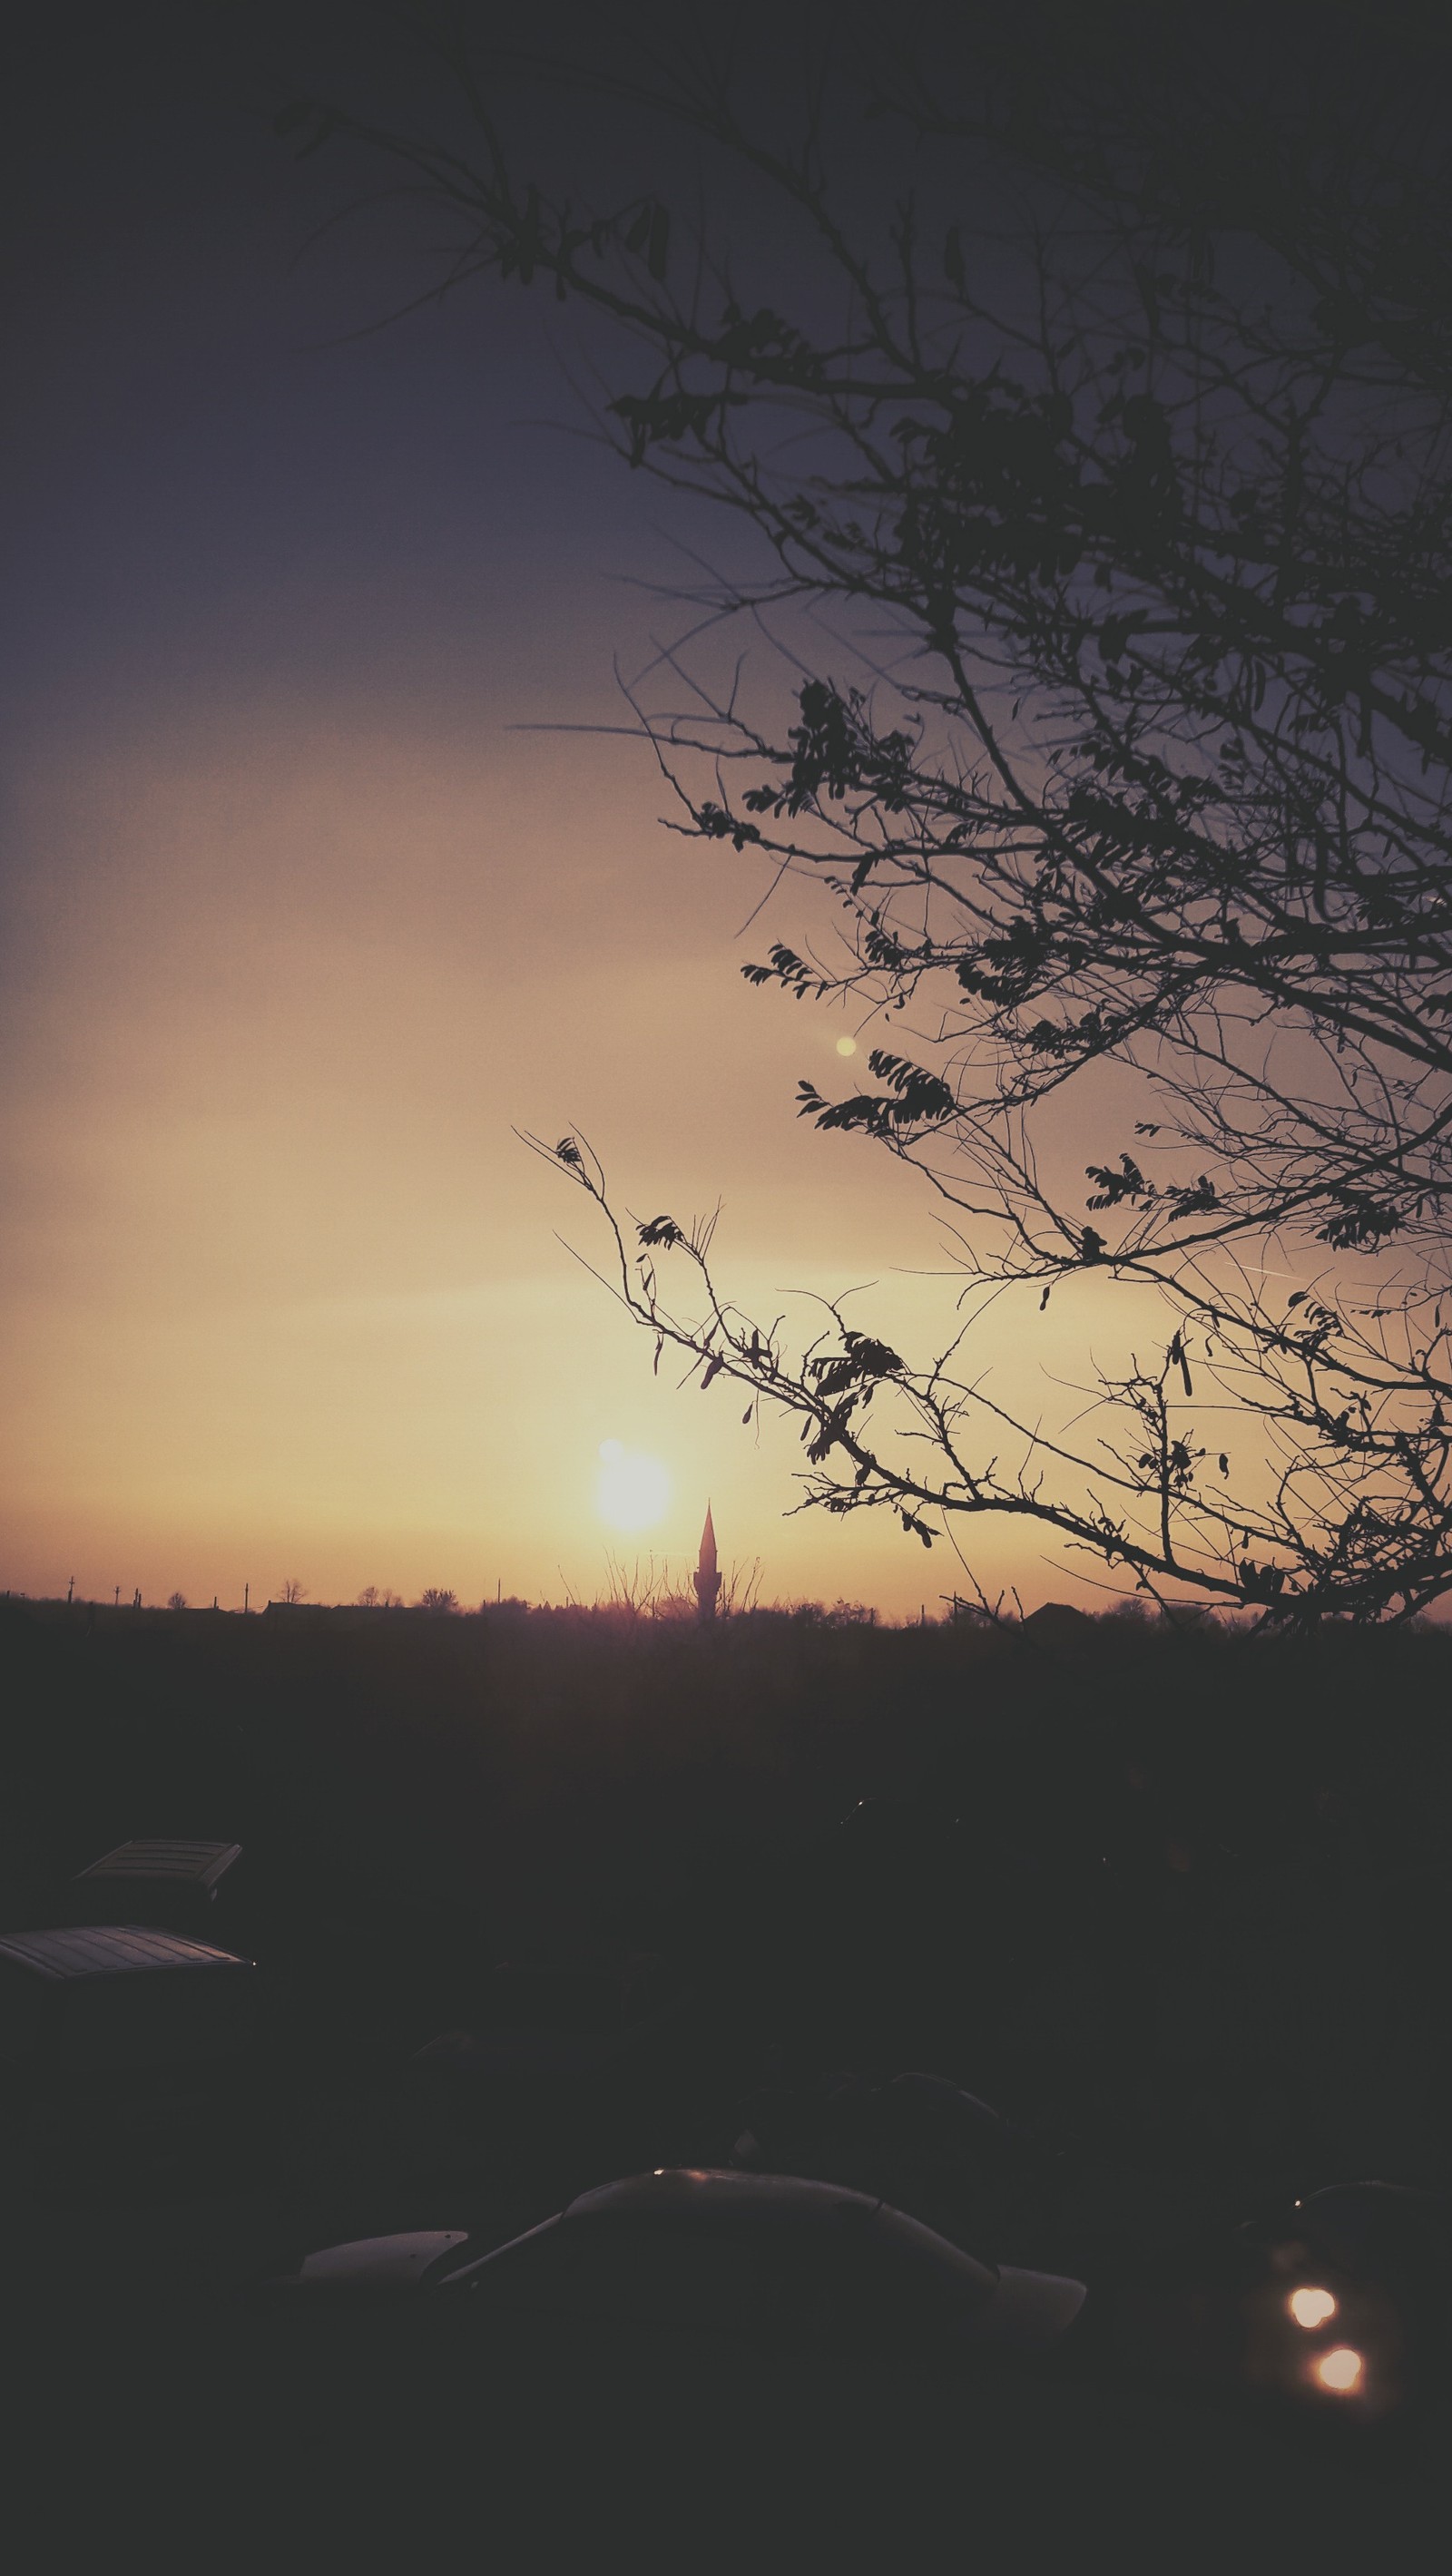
108 1950
191 1863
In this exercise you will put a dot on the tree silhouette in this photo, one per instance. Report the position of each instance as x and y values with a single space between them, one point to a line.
1101 494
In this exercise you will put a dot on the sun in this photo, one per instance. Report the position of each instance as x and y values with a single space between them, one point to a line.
631 1491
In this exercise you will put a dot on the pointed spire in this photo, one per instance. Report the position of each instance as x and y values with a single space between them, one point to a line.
706 1581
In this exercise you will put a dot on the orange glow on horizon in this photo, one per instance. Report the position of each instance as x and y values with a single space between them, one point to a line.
285 1296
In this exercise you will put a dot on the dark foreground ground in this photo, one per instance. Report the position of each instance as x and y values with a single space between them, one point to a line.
1184 1907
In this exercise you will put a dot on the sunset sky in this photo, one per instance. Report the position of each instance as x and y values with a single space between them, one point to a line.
299 926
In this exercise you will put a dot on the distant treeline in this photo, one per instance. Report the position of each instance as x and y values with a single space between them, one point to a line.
1079 1814
1132 1614
401 1736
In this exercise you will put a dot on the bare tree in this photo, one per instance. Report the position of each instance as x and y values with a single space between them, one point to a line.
293 1591
1101 494
741 1588
640 1591
439 1601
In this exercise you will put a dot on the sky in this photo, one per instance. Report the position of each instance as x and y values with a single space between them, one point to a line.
303 919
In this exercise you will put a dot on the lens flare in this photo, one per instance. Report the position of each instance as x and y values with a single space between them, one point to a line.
1311 2308
1340 2371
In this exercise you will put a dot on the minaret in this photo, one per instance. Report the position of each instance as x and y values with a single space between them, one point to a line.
706 1579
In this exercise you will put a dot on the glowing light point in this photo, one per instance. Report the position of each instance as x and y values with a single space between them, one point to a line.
1311 2308
846 1046
1340 2371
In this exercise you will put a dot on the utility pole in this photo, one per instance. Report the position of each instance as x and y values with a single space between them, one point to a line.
246 1597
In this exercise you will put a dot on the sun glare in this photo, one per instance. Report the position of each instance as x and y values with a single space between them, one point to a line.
631 1491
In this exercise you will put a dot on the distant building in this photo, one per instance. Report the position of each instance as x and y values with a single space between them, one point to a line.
706 1581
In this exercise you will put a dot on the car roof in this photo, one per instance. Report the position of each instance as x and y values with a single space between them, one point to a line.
695 2191
193 1864
1384 2221
108 1950
776 2206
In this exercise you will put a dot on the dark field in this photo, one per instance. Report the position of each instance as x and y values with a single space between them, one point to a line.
1179 1905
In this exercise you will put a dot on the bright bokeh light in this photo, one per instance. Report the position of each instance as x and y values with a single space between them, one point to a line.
1311 2307
1340 2371
631 1491
846 1046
